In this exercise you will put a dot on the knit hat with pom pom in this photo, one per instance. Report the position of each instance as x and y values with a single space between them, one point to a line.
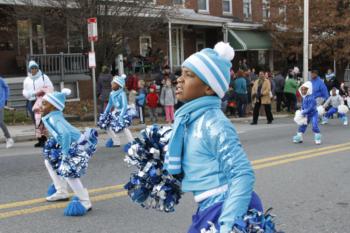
212 66
58 99
120 80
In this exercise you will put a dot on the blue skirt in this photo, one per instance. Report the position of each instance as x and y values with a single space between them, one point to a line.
75 164
202 219
111 120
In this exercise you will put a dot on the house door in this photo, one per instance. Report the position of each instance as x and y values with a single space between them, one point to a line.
177 46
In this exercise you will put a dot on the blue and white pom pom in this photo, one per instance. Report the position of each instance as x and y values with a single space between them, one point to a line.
253 222
150 185
111 120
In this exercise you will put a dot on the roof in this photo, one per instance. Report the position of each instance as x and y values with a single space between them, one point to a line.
190 17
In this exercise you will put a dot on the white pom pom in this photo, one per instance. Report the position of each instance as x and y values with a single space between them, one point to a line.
225 50
343 109
321 111
66 91
123 76
299 118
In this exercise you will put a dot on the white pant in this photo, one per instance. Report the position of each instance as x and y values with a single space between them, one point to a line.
74 183
115 137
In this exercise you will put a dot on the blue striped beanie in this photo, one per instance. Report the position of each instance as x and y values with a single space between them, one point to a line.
58 99
120 80
212 66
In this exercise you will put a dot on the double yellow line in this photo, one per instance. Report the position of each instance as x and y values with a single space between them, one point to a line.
110 192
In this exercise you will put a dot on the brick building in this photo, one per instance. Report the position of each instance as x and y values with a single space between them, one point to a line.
190 26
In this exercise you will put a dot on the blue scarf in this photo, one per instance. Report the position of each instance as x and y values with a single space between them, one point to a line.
114 94
36 76
183 117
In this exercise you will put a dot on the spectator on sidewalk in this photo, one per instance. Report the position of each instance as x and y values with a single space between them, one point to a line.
240 89
104 88
4 95
279 87
152 103
33 87
290 93
261 96
141 101
168 100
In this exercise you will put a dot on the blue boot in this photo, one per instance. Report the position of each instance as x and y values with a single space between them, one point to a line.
109 143
298 138
318 137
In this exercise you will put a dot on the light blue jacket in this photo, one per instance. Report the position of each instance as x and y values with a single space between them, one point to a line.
118 100
213 157
4 92
63 132
319 89
240 85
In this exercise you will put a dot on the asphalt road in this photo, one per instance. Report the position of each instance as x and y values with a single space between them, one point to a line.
307 185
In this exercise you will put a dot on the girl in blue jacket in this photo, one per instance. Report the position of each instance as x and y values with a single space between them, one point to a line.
205 146
120 118
67 154
4 95
308 110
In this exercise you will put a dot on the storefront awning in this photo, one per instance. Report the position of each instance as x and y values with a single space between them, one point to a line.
243 40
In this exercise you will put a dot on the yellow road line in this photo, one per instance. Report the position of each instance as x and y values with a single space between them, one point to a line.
40 200
285 159
279 162
279 157
58 205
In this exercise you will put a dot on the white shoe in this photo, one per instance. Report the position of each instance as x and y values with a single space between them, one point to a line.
345 122
318 140
9 143
84 199
58 196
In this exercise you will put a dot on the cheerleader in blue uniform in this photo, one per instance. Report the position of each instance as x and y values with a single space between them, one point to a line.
67 154
121 117
205 147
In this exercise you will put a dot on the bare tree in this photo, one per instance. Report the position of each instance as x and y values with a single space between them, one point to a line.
329 22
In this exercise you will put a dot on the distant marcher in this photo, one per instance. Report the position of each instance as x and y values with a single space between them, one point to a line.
104 87
279 87
261 96
168 100
309 111
4 95
34 86
152 103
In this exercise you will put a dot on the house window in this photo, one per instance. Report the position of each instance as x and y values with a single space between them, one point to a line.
74 39
145 44
247 9
177 46
178 2
266 9
282 12
227 6
203 5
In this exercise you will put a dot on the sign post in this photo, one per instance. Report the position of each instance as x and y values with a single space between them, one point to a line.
92 36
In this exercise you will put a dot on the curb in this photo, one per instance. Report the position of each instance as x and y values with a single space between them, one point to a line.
31 137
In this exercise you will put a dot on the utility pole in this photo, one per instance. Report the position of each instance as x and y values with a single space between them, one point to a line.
306 41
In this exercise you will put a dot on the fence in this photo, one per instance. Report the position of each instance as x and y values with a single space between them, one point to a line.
61 64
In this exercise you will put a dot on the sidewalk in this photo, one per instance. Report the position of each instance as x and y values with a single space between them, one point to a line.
22 133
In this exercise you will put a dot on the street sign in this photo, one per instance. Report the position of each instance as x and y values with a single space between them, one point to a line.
92 60
92 29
